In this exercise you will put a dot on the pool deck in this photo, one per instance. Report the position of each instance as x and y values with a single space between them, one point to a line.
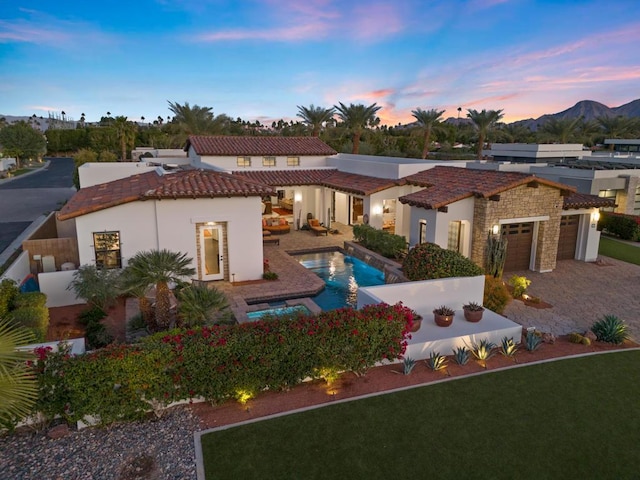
294 281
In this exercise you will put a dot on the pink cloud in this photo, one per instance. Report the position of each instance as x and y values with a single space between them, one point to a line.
283 34
372 22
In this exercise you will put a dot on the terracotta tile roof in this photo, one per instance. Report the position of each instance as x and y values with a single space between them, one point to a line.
232 145
446 185
585 200
332 178
151 185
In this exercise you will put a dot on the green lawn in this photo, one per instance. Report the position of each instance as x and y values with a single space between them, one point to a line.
576 418
622 251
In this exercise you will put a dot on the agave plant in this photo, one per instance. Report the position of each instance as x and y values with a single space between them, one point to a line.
461 355
532 341
407 365
483 351
610 329
436 361
508 348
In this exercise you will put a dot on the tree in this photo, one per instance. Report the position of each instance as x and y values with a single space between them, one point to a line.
126 134
97 286
18 387
484 121
615 127
159 268
561 129
194 120
357 118
21 141
200 305
315 117
427 119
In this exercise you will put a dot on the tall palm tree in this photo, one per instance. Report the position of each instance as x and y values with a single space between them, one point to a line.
484 121
126 134
618 127
315 117
194 120
18 388
159 268
357 118
427 119
561 129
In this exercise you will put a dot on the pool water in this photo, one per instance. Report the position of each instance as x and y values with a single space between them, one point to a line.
294 309
343 275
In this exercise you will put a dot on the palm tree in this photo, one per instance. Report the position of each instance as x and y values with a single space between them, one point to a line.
561 129
159 268
357 118
194 120
139 288
484 121
200 305
126 134
315 117
427 119
18 388
618 127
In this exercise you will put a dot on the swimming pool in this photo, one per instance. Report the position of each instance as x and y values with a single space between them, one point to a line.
277 311
343 275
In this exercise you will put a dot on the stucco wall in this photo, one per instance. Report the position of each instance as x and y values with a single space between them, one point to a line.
230 163
518 205
96 173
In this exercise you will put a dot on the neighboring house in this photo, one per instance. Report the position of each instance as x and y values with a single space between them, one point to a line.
212 217
535 152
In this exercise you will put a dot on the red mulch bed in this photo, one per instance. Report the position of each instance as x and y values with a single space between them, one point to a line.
63 321
377 379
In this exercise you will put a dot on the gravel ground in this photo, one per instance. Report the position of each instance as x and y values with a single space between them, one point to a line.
160 449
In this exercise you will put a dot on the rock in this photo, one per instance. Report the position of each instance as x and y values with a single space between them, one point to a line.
590 335
58 431
548 337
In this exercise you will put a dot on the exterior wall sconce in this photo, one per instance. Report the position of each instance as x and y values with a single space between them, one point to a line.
377 210
495 229
595 216
297 197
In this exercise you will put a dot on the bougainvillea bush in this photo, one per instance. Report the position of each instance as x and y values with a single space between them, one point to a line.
427 261
217 362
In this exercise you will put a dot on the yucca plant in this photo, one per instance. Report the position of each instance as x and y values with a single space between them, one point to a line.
461 355
611 329
408 365
436 361
508 347
483 351
532 341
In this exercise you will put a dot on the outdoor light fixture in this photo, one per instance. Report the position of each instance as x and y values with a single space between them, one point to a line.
595 216
377 210
297 197
495 229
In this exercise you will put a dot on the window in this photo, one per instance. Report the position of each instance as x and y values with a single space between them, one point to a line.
423 231
106 246
636 204
268 161
244 161
608 194
293 161
453 237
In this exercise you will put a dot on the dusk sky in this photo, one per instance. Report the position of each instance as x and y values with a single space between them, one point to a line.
259 59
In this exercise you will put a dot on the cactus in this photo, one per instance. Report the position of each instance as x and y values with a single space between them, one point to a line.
495 255
461 355
575 337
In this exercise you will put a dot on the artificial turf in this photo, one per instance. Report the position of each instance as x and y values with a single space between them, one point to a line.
619 250
576 418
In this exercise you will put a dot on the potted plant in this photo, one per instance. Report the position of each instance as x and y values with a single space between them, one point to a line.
473 311
443 316
417 321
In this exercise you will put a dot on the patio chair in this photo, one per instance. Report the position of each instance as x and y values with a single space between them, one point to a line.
315 227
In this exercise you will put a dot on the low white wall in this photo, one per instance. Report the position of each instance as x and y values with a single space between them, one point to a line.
6 163
95 173
77 345
18 269
426 295
54 286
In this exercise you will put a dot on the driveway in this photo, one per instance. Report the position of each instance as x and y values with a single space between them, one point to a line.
24 199
580 294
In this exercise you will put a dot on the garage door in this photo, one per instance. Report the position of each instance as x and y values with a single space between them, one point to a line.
520 238
568 237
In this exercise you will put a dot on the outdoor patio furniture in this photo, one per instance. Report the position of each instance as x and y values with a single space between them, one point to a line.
270 240
276 226
315 227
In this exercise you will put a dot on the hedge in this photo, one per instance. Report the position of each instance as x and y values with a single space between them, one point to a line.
427 261
122 382
8 293
35 319
30 299
627 227
379 241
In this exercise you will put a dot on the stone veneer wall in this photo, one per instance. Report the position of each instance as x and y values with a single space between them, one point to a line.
391 269
521 202
626 198
225 250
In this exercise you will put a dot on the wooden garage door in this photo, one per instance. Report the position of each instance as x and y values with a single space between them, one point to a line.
568 237
520 238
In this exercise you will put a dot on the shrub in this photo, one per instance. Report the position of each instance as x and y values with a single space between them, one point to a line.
35 319
519 285
427 261
99 287
610 329
495 255
496 295
384 243
575 337
95 331
270 275
8 292
627 227
30 299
